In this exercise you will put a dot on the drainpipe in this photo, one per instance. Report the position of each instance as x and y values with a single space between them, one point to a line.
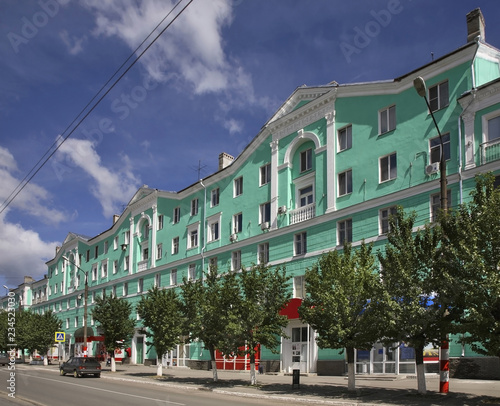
203 231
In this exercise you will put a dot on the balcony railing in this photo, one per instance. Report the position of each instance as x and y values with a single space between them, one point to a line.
490 151
303 213
142 265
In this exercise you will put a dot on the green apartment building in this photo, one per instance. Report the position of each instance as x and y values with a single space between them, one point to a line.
330 165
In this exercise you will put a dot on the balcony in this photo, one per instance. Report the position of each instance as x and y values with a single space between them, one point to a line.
303 213
490 151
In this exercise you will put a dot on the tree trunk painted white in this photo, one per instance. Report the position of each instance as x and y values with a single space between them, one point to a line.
253 376
45 360
113 364
159 368
421 385
214 371
351 370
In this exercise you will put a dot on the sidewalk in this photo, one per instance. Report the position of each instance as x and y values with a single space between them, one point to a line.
328 390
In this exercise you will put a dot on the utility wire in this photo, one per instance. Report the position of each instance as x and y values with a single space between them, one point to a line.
58 143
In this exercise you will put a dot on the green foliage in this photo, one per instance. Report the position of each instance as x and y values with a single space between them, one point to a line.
413 277
161 313
45 326
211 308
264 292
344 302
473 255
113 316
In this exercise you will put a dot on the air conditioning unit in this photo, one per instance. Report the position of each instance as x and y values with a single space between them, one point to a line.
282 210
233 237
432 168
264 226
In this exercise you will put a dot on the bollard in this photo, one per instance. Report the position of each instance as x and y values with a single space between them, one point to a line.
444 367
296 378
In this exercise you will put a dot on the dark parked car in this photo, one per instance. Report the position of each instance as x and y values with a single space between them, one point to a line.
4 358
80 366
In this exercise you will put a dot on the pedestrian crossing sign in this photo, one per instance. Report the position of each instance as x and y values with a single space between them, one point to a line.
60 336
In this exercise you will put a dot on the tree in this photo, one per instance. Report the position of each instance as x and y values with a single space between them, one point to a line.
472 250
344 302
264 292
113 316
45 326
211 310
413 276
163 319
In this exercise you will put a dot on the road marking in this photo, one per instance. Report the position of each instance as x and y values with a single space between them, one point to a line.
105 390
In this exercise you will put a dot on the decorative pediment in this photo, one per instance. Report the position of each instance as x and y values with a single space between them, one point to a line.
143 192
74 236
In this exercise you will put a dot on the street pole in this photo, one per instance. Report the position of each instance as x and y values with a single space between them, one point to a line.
444 354
85 304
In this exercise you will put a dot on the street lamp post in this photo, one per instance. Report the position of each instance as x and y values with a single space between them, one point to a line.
444 363
421 89
86 291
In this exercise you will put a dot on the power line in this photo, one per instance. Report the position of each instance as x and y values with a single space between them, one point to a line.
58 142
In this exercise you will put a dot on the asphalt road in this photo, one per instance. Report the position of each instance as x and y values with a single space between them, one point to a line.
49 389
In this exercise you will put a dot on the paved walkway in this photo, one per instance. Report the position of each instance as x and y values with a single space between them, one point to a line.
326 390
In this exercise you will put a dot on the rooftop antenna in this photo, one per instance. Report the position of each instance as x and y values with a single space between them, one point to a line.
198 169
432 56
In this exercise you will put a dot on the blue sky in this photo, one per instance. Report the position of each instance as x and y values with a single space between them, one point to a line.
206 86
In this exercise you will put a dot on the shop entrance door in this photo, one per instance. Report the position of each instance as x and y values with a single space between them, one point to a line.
384 360
300 348
139 359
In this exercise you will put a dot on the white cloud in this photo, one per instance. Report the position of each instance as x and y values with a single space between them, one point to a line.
33 199
110 187
22 253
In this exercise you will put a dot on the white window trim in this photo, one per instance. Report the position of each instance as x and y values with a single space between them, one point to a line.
438 86
268 170
303 182
236 182
386 110
389 167
216 218
344 128
484 123
338 183
190 229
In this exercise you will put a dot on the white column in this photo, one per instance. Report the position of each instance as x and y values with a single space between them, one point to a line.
330 161
274 183
469 140
153 236
131 245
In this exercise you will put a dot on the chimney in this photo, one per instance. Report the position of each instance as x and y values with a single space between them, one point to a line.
225 160
475 25
115 218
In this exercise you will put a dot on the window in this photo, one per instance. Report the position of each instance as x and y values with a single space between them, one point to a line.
192 236
300 243
306 196
212 263
125 289
76 321
115 243
265 212
173 277
263 253
299 286
177 215
106 247
96 251
126 237
157 280
237 223
306 160
238 187
387 120
125 263
115 266
436 204
192 272
159 251
235 260
439 96
194 207
175 245
388 167
113 291
214 198
345 138
94 272
345 183
213 231
493 129
145 231
160 221
265 174
344 231
87 256
435 147
384 216
140 285
103 292
145 254
104 269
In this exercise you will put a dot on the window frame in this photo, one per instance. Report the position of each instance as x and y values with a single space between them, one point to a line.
344 231
265 174
438 98
175 245
435 204
300 243
389 118
236 260
238 223
345 190
176 215
344 132
306 160
263 253
388 168
214 197
265 212
238 186
384 227
437 147
194 206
